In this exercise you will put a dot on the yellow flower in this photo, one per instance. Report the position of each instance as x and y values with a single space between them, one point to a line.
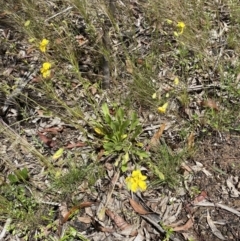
45 70
27 23
136 182
154 96
176 81
162 109
180 26
43 45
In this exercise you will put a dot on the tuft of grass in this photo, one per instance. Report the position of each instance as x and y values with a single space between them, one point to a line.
165 164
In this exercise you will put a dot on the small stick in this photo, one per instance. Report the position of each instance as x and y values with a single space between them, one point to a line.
55 15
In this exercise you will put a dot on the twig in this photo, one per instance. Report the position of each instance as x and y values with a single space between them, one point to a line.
55 15
3 233
209 204
202 87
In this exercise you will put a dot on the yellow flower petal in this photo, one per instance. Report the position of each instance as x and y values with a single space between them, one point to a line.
142 186
180 26
136 173
46 74
162 109
43 45
45 70
154 96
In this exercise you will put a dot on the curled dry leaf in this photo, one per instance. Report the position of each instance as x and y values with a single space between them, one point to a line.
138 207
155 139
184 227
73 209
119 221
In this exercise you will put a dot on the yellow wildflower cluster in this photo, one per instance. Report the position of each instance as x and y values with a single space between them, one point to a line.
136 182
46 67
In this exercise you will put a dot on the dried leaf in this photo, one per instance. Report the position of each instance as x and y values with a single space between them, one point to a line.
185 167
63 209
155 139
210 104
101 213
100 228
202 196
137 207
72 145
184 227
93 89
53 130
81 40
85 219
190 140
46 140
119 221
214 229
73 209
129 66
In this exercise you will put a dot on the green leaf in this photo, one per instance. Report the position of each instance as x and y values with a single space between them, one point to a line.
19 176
12 178
124 168
114 126
134 121
123 126
108 119
142 154
159 174
125 158
118 147
137 132
105 110
120 115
